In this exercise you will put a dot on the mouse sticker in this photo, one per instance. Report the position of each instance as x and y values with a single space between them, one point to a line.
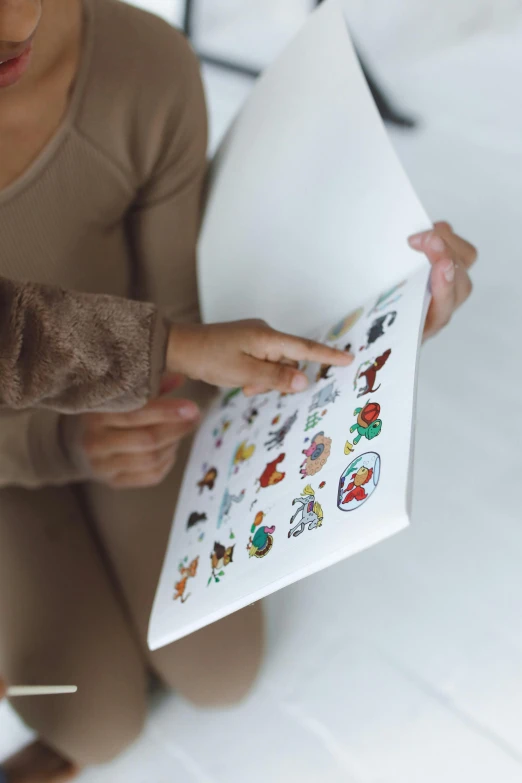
359 481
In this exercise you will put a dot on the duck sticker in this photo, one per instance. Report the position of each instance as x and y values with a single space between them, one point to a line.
261 539
344 326
309 513
208 480
226 505
242 454
271 475
367 373
186 573
323 373
277 437
368 424
359 481
220 558
377 328
195 518
387 298
316 455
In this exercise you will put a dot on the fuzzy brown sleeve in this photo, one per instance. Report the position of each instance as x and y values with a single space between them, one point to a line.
75 352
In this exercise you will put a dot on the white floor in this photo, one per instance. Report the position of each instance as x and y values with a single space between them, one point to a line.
402 665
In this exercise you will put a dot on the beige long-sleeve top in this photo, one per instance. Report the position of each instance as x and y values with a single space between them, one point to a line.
75 352
112 204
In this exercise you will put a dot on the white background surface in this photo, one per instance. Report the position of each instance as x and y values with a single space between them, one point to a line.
404 664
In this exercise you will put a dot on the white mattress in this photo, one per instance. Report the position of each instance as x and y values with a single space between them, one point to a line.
404 664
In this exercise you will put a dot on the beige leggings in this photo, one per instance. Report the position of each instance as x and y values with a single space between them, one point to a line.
63 620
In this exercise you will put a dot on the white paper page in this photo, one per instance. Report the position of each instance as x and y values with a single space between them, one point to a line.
309 208
259 466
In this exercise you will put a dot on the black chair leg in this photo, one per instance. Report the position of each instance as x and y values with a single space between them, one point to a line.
387 111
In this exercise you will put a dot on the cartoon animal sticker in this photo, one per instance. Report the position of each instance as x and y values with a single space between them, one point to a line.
251 414
226 505
277 438
376 330
220 558
261 540
359 481
370 374
271 475
310 513
316 454
195 518
219 432
324 370
186 572
208 480
387 298
243 453
324 397
368 424
344 326
230 397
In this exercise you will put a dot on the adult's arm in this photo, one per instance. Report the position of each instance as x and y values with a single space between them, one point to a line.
74 352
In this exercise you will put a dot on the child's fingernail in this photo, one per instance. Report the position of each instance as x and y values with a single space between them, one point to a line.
189 412
449 271
299 383
416 240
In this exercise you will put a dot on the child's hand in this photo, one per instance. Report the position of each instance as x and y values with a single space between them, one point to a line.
451 258
249 354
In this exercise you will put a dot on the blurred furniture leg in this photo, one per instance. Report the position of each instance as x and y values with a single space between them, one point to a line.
387 111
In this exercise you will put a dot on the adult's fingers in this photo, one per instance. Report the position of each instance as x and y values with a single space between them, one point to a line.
464 251
444 297
149 478
440 243
99 444
110 467
159 411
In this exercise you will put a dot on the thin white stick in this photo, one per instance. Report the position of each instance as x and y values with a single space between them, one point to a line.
40 690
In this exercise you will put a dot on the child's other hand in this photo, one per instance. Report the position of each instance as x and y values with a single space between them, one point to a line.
248 354
451 258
